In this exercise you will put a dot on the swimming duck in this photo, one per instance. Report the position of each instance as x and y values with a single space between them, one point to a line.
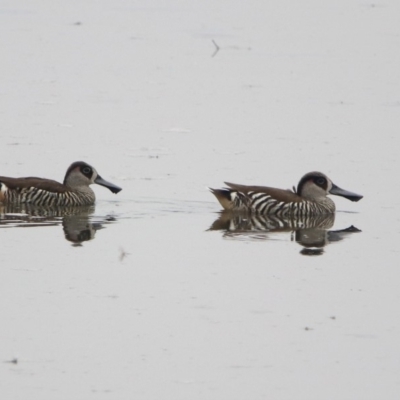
310 198
74 191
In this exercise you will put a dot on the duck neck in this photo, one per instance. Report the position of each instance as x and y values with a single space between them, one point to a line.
324 204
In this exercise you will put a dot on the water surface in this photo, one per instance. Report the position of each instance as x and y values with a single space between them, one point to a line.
137 297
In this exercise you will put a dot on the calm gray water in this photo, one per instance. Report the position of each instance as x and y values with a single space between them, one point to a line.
150 294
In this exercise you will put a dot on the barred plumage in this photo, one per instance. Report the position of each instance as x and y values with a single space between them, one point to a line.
310 198
262 203
74 191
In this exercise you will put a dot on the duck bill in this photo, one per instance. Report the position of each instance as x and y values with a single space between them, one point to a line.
100 181
336 190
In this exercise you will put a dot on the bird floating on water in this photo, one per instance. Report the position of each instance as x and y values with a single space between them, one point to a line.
74 191
310 198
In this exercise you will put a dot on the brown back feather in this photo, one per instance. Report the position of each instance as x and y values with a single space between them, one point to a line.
286 196
40 183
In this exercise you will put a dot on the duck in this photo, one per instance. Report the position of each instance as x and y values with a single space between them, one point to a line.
74 191
310 197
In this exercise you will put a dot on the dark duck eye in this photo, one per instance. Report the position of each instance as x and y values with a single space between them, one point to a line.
320 181
86 170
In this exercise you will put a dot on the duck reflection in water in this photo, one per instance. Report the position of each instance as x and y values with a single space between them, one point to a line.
77 222
312 232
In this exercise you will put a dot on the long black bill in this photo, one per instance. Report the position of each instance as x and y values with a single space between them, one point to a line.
336 190
100 181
